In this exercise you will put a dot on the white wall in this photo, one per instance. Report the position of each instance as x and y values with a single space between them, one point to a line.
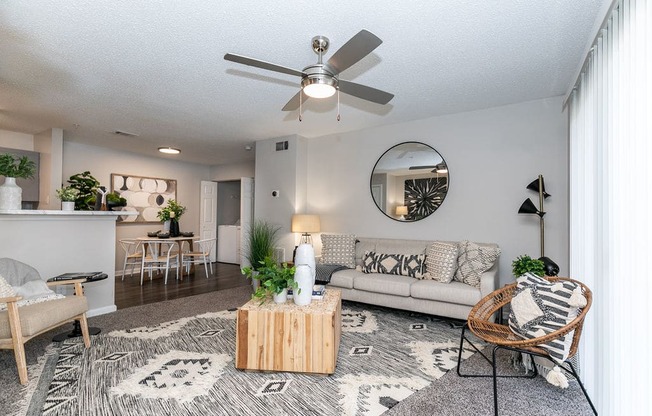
15 140
102 162
233 171
491 154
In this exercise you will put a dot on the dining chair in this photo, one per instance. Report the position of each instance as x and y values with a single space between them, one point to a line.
133 254
158 255
188 258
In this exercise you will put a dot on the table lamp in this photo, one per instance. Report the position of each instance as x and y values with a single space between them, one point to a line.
305 224
401 211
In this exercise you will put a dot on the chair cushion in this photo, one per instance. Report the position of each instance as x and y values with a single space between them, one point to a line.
539 307
473 260
441 261
400 264
37 317
338 249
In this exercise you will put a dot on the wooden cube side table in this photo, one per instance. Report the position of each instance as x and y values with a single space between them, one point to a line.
287 337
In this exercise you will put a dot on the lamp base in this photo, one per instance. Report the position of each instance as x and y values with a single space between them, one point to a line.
305 239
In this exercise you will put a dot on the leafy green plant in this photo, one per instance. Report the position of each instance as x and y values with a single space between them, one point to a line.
87 186
67 194
273 278
173 206
115 200
524 264
261 238
16 167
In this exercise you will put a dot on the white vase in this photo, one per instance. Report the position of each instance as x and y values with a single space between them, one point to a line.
11 195
281 297
306 255
68 205
166 226
303 276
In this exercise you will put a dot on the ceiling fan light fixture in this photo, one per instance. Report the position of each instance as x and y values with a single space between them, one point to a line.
319 87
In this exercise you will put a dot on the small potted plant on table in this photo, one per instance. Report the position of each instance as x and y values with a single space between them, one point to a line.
274 280
67 195
525 264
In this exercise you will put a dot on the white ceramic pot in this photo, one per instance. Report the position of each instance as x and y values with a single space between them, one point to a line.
281 297
303 294
166 226
306 255
68 205
11 195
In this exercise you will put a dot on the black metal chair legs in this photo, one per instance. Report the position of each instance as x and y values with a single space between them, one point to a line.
494 373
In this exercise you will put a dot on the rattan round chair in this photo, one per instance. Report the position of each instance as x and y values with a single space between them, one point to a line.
481 322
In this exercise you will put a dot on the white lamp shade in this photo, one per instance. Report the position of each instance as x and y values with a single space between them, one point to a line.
401 210
305 223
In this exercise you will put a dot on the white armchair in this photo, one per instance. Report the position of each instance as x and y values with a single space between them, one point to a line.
23 319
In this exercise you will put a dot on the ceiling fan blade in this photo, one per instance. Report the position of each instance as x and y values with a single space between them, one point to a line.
364 92
354 50
422 167
293 104
261 64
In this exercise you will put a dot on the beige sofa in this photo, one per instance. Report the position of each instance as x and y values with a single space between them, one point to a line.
454 299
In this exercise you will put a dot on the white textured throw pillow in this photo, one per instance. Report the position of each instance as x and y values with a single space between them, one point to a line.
6 291
441 262
474 260
338 249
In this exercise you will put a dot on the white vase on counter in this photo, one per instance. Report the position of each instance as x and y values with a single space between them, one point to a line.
11 195
281 297
67 205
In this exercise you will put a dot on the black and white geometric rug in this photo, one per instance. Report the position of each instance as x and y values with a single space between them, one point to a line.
186 367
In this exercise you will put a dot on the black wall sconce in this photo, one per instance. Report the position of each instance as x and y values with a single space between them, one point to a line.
528 207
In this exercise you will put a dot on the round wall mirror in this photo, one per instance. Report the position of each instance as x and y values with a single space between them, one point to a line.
409 181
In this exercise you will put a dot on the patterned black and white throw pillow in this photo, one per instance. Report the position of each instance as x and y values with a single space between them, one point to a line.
441 262
560 303
474 260
411 265
338 249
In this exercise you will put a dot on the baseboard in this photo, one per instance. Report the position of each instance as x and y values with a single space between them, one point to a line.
101 311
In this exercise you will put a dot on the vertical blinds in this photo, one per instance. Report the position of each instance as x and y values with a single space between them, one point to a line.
611 209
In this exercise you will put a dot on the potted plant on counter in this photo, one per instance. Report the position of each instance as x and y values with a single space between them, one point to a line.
87 186
67 195
12 167
274 279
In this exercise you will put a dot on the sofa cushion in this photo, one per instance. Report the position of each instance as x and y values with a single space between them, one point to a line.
453 292
400 264
473 260
344 278
383 283
338 249
441 261
34 318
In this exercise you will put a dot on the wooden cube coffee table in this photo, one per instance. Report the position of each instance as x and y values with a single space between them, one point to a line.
287 337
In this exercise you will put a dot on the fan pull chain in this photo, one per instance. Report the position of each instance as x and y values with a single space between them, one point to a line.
300 104
338 103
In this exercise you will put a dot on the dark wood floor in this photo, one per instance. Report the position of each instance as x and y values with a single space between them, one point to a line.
129 292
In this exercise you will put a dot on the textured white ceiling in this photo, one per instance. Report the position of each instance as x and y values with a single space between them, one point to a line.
156 68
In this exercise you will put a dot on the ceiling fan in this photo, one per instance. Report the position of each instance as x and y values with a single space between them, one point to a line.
321 80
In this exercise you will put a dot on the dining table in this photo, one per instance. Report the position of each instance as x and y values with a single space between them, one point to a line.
178 240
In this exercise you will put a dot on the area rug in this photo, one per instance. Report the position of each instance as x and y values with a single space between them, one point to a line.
186 367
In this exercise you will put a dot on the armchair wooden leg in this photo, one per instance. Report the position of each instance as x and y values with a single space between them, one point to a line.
84 328
17 341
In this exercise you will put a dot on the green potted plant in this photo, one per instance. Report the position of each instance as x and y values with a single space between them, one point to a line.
172 210
87 186
67 195
114 200
261 237
525 264
274 279
12 167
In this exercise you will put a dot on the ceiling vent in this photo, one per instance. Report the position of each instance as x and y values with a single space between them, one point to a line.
125 133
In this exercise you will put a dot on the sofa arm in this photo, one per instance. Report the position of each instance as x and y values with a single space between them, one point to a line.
489 280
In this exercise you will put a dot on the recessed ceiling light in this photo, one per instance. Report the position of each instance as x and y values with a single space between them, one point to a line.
169 150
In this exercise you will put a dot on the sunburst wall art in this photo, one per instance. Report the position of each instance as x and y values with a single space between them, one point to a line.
424 196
